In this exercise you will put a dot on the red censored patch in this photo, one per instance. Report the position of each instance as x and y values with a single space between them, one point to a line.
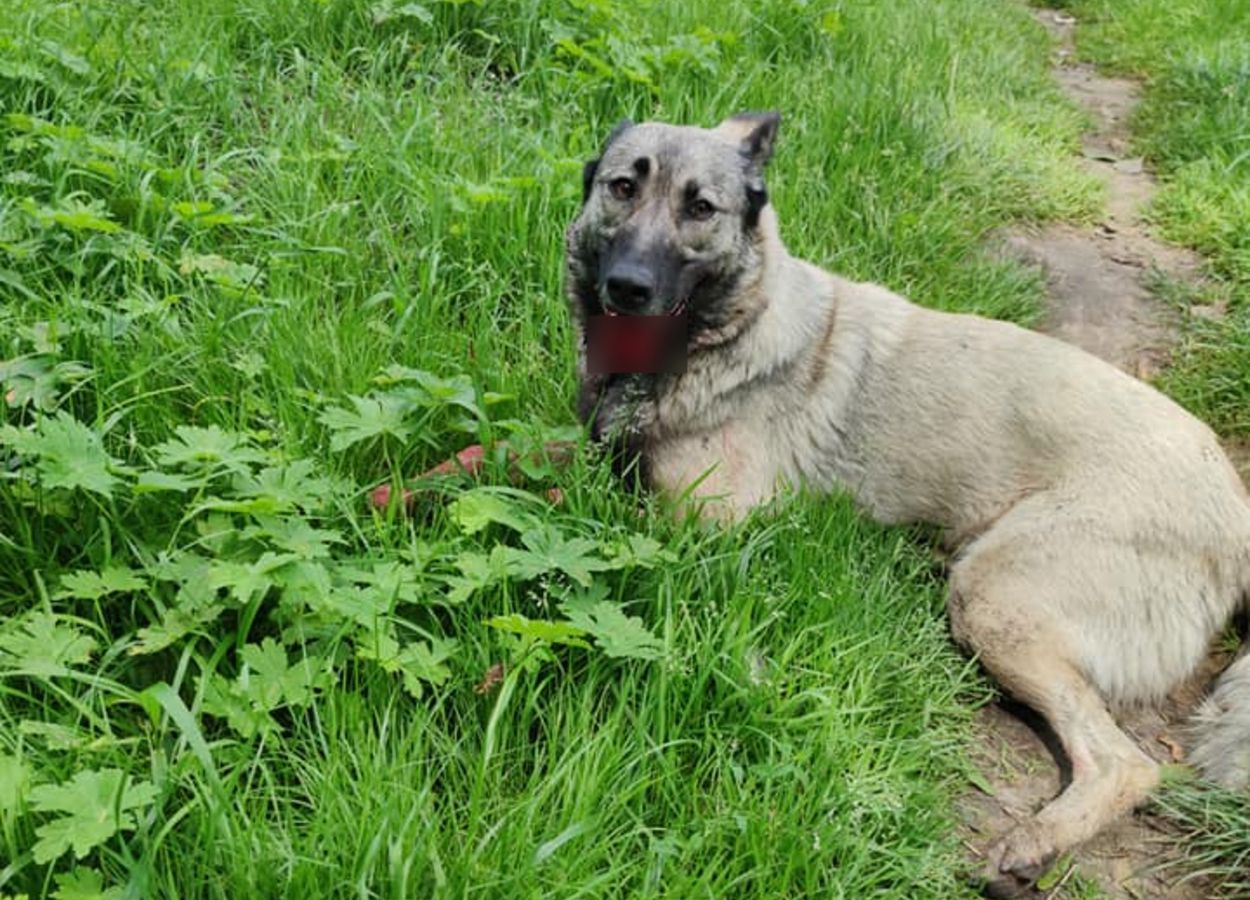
632 344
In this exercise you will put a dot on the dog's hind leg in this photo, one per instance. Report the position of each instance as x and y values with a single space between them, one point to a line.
1027 646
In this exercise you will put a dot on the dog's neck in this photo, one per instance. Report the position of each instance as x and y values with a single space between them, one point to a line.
792 305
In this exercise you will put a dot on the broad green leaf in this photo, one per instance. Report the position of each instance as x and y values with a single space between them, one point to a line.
264 666
224 700
615 633
41 644
98 805
269 680
479 571
84 884
419 662
475 509
433 390
74 215
254 506
180 566
175 625
455 390
195 606
73 456
37 380
149 482
639 550
69 454
199 449
248 581
306 584
540 630
295 535
520 564
392 579
551 550
242 581
15 779
477 574
88 585
289 486
219 270
364 605
384 414
218 534
423 663
22 440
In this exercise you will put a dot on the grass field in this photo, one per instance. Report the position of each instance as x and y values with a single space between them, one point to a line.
257 256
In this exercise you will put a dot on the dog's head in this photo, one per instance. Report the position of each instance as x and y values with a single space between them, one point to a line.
671 222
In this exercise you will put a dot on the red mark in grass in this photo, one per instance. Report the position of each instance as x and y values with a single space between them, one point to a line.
470 461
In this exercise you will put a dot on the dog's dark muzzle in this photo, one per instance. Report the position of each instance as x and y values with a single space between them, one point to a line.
630 290
641 280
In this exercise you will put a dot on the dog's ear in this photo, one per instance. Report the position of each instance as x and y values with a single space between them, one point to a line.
592 166
754 133
619 129
588 178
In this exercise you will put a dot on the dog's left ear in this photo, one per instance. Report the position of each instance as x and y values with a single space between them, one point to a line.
592 166
755 133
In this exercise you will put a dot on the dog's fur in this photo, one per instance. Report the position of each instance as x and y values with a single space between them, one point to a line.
1103 536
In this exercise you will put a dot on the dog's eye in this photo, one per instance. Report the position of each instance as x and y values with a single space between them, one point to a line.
700 210
623 188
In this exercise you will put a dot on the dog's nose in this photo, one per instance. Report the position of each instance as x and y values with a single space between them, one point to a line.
630 288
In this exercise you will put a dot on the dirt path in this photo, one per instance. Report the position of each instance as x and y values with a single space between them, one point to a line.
1098 278
1098 286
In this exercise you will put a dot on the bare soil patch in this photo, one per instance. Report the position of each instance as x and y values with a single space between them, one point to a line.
1099 278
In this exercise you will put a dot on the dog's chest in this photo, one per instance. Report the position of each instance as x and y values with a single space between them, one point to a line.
730 468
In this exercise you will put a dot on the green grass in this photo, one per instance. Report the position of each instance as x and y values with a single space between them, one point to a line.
1194 128
1213 835
221 677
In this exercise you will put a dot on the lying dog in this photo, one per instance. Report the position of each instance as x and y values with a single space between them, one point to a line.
1103 537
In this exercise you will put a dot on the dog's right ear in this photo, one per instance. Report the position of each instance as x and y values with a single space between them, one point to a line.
754 132
592 166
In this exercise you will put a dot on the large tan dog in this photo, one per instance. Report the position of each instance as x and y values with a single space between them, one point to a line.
1103 537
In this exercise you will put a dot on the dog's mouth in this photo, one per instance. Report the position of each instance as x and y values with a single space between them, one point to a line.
625 343
677 309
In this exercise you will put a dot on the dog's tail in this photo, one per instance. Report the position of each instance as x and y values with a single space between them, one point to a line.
1221 726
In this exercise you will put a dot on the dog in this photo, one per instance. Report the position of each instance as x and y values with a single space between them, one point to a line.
1101 537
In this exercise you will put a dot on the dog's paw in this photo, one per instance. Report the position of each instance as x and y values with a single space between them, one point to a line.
1017 861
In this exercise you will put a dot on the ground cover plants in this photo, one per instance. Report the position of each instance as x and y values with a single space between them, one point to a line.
257 256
